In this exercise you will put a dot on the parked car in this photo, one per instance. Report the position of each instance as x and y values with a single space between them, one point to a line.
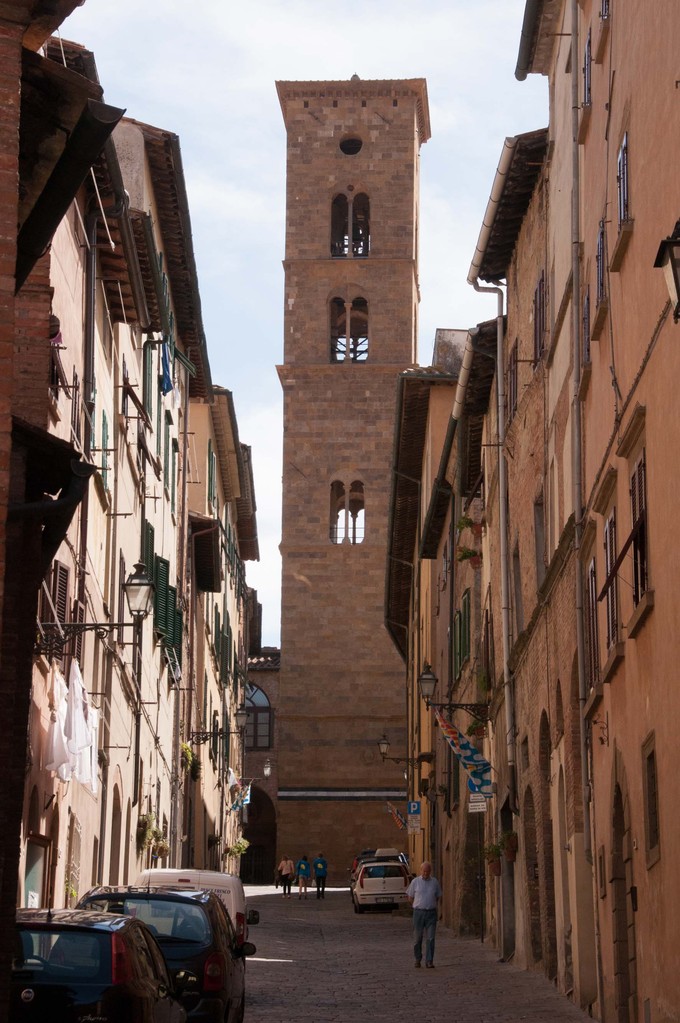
380 884
72 965
227 886
195 934
376 856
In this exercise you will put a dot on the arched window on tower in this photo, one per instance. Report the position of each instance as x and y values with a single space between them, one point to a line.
340 226
259 719
337 517
355 211
347 512
361 235
356 512
357 349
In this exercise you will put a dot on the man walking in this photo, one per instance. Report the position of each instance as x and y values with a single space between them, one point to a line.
424 894
320 872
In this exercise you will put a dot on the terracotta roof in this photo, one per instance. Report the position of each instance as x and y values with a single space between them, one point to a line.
520 181
268 659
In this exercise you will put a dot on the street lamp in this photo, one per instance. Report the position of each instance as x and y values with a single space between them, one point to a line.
427 683
139 592
267 769
384 747
241 717
668 259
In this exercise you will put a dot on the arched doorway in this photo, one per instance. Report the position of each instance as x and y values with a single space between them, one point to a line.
116 820
546 844
624 920
531 867
259 862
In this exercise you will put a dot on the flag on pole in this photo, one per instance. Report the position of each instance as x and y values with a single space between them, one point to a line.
478 768
397 817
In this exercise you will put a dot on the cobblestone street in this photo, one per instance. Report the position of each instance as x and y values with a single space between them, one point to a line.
318 961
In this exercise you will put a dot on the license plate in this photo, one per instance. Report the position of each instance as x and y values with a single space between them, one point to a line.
384 898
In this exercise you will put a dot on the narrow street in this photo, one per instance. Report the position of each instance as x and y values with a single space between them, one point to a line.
319 962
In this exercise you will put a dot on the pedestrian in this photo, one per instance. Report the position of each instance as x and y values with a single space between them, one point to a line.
320 872
304 872
287 872
424 894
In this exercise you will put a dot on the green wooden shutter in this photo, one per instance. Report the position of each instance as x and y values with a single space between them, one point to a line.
147 384
171 616
162 576
148 544
105 451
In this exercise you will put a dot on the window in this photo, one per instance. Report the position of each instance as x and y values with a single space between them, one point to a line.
609 568
105 451
639 519
587 68
651 801
173 476
585 326
147 384
600 266
539 318
461 634
622 182
350 225
161 580
347 523
593 663
604 9
352 345
75 409
351 146
259 720
512 382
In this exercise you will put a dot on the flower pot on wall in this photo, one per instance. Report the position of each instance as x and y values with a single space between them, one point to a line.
494 867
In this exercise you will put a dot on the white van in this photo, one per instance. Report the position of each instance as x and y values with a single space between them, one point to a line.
227 886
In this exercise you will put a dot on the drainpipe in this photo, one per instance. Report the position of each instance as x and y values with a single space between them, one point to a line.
576 431
473 279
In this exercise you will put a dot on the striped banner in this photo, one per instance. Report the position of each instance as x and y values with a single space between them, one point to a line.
397 817
477 767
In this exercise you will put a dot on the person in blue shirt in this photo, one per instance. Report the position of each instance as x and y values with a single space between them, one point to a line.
320 873
304 872
424 894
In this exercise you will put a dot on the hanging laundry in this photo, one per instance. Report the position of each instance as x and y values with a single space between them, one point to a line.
57 755
77 728
166 379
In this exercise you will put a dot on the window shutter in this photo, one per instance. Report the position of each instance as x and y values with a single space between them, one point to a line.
104 451
78 615
60 591
593 644
609 559
171 616
162 576
148 548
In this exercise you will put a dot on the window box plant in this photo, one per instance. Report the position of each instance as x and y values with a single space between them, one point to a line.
492 855
477 730
509 842
469 554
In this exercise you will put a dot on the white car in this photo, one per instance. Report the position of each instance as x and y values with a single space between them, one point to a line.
380 884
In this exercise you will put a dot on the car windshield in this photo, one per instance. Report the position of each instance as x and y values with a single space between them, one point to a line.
65 955
167 920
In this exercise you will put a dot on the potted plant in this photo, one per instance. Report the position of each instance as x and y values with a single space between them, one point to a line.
509 842
161 848
492 855
145 830
195 769
186 756
238 848
477 729
469 554
464 522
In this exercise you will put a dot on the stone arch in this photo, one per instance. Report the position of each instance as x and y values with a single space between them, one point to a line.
532 873
549 928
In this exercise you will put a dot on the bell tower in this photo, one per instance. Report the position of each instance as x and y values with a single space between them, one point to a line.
350 328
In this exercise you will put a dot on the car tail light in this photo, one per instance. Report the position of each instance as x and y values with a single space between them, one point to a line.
240 928
214 972
361 879
121 970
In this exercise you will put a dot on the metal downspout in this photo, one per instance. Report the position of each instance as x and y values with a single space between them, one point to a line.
576 431
473 279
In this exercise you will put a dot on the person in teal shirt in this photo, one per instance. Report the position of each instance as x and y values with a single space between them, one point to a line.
304 872
320 873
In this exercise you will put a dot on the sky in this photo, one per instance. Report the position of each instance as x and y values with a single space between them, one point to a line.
207 69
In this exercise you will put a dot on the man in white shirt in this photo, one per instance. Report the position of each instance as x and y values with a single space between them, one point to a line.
424 894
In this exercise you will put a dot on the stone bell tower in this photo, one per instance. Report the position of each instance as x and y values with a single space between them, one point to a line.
350 323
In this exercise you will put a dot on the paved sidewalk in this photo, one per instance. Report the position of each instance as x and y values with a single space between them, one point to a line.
319 962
